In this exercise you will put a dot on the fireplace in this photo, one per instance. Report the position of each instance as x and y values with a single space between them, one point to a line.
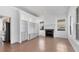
49 32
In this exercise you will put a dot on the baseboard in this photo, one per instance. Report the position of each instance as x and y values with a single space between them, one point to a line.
61 37
73 45
34 37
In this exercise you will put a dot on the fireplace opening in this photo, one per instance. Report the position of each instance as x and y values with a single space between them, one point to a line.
49 32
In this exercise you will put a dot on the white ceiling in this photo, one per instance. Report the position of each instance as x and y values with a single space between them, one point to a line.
45 10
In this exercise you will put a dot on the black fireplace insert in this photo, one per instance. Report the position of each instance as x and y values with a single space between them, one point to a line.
49 32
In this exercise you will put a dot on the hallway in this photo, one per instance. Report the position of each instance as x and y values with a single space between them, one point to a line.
40 44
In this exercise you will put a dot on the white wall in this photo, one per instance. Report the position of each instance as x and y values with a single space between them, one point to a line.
13 13
72 38
61 34
50 22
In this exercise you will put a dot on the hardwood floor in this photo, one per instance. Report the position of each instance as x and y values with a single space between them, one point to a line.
40 44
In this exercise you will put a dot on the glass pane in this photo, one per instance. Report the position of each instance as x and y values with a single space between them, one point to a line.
77 31
78 15
70 26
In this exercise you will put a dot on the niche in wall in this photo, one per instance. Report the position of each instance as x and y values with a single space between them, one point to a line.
61 25
33 30
42 25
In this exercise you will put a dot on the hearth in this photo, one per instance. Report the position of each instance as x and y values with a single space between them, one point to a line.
49 32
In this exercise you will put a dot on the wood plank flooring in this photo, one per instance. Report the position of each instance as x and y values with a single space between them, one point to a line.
39 44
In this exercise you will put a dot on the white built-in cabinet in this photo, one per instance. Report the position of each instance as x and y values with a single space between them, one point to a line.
24 30
29 28
33 30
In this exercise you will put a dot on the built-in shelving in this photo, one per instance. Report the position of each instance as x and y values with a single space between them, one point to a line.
28 27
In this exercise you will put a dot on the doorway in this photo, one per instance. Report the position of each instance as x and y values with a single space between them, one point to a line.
7 32
6 29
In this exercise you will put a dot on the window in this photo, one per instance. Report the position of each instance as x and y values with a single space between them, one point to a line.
61 25
70 27
77 23
1 25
